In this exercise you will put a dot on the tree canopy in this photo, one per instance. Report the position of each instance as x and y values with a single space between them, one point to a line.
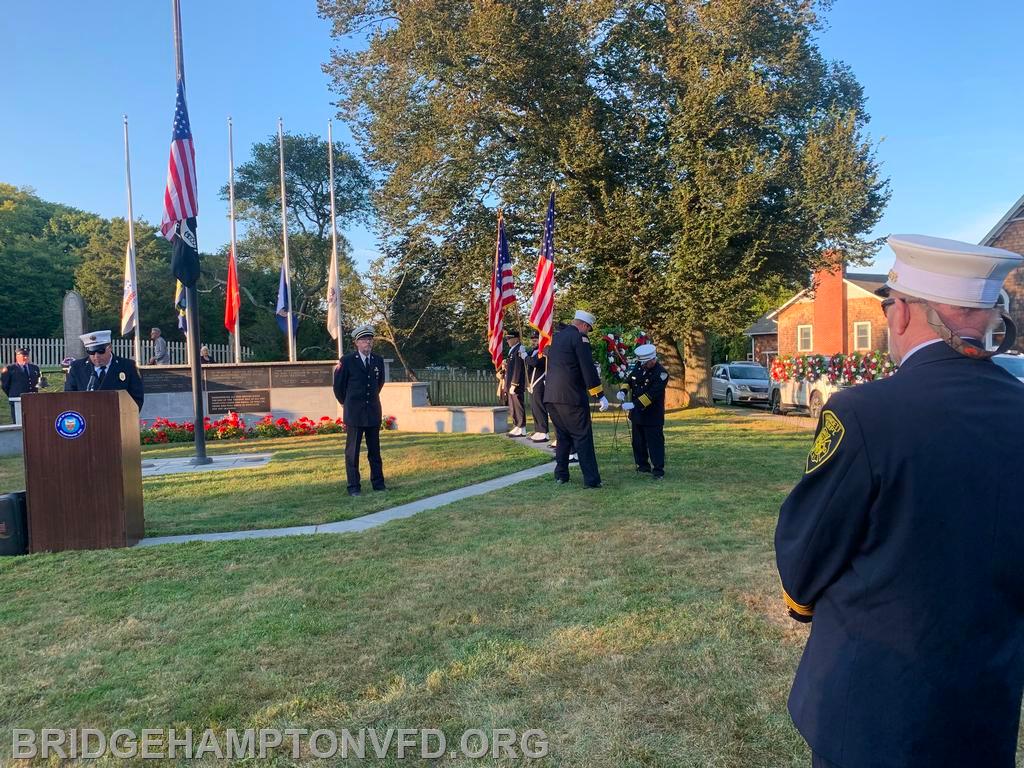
700 150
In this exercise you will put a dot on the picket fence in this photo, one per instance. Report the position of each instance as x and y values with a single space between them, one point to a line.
48 353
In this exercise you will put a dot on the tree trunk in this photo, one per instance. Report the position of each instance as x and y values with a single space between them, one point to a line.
398 353
676 395
698 367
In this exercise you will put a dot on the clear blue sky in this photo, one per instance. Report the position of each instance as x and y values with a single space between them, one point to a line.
941 77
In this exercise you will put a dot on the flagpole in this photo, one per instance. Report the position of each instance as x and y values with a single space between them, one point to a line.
137 346
334 242
234 253
191 294
284 238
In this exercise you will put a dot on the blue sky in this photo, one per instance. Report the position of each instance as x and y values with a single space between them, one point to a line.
941 78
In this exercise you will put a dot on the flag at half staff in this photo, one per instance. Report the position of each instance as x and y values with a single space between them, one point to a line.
503 293
333 298
543 308
129 297
282 306
233 297
181 196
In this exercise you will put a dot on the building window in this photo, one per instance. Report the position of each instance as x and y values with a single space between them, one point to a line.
804 338
861 336
995 337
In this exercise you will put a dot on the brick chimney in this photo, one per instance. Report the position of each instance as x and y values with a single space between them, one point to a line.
830 310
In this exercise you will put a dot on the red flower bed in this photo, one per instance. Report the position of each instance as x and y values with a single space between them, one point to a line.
234 427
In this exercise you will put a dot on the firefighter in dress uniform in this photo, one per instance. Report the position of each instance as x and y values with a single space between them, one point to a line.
904 538
358 380
646 385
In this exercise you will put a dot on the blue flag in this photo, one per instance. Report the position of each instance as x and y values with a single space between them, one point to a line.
282 306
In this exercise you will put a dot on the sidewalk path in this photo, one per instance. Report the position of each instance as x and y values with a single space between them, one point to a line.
366 521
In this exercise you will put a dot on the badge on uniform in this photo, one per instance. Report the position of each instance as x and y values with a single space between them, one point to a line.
664 375
122 377
826 442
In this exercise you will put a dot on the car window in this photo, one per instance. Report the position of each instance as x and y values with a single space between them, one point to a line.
748 372
1014 365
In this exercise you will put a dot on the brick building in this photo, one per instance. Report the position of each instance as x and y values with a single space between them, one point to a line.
1009 234
839 313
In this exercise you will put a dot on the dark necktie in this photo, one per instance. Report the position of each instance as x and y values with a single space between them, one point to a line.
97 378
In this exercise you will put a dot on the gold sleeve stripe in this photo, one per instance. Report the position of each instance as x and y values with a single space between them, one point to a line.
594 391
645 400
793 605
623 386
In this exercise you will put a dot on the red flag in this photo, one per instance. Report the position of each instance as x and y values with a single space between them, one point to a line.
233 300
542 311
503 293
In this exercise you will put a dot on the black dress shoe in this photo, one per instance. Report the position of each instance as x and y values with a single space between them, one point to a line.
380 488
560 481
595 485
354 493
643 469
658 477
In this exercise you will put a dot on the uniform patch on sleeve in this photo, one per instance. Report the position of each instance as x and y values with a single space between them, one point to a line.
584 339
664 375
826 442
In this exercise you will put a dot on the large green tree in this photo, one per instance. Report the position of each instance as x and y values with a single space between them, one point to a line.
702 149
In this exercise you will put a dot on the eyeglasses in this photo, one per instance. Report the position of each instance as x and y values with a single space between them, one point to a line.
886 303
91 352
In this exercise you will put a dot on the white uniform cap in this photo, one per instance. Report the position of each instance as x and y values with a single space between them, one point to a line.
646 352
95 339
949 271
362 331
586 317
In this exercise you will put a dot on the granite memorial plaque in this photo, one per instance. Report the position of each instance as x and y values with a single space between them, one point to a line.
237 377
239 401
320 375
175 380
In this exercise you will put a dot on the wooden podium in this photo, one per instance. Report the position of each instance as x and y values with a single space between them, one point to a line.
83 470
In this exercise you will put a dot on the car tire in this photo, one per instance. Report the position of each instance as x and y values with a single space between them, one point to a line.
815 405
728 397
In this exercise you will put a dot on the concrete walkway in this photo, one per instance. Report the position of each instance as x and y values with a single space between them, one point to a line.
366 521
154 467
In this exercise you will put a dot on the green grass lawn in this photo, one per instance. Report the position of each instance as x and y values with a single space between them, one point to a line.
305 482
638 625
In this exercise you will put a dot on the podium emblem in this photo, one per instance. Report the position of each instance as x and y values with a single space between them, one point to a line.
70 425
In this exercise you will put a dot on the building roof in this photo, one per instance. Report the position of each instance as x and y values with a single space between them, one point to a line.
764 326
869 282
1014 214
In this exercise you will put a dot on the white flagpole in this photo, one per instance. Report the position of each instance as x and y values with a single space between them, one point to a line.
137 348
284 237
234 253
334 244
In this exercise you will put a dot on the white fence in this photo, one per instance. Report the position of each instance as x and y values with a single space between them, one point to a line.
48 353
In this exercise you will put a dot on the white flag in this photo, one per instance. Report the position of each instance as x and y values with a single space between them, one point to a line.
129 299
333 299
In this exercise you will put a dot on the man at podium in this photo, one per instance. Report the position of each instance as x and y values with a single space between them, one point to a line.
102 369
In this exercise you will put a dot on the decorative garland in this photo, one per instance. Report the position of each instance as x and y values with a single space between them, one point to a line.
842 370
616 352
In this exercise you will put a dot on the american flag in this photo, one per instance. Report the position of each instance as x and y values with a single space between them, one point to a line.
542 310
503 293
181 198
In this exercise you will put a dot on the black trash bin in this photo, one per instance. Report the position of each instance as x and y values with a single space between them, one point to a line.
13 524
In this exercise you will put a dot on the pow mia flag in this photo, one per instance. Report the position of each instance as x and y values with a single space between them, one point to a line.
185 253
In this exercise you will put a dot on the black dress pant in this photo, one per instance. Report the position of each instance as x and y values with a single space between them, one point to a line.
537 410
649 448
575 432
517 407
353 440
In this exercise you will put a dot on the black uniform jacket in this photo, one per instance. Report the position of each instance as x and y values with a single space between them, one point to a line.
515 370
905 538
15 382
537 371
647 393
120 374
357 388
572 377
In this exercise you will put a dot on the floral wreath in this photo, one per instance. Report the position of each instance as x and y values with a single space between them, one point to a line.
616 352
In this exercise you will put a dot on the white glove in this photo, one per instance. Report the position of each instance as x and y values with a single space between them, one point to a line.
628 406
522 354
604 403
620 395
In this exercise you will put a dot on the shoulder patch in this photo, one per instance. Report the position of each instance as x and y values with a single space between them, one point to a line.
664 375
826 442
584 339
